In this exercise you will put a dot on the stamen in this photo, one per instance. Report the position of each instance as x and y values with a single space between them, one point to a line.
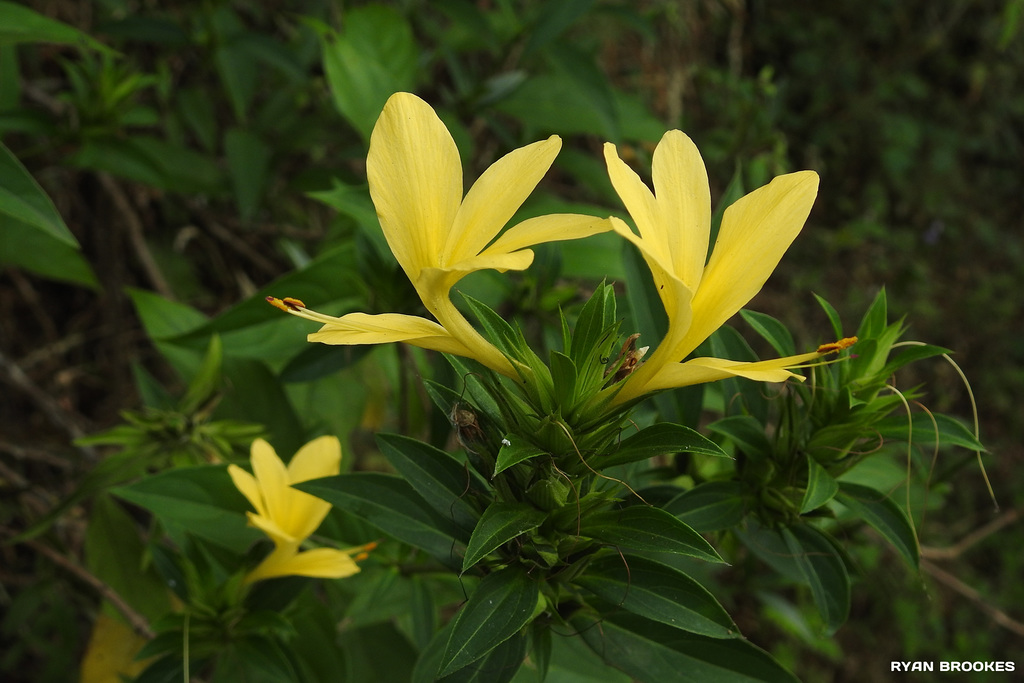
837 346
297 308
287 304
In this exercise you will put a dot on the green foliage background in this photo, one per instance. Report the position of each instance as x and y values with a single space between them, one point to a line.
217 146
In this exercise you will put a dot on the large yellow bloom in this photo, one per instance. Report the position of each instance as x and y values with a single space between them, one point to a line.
438 236
289 516
675 226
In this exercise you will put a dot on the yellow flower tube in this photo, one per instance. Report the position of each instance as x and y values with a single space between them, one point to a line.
289 516
438 236
674 224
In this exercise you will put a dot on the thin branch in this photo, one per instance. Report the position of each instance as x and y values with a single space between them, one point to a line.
136 234
950 581
60 417
136 620
957 549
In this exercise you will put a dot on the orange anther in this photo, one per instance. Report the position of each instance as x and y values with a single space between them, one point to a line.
837 346
286 304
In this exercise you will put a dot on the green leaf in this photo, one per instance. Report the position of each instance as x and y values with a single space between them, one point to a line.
151 161
500 523
329 277
591 82
824 571
200 501
875 319
774 332
24 246
553 19
19 24
563 379
711 506
501 605
32 233
659 439
442 481
833 316
884 516
647 529
115 555
497 666
23 199
911 354
513 451
374 56
393 506
656 591
496 329
746 432
650 651
923 432
248 159
821 487
591 325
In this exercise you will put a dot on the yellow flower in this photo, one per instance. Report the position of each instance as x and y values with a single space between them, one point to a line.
289 516
438 236
675 226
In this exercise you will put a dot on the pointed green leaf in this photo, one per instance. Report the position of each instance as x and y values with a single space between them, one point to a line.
649 651
500 523
773 331
746 432
884 516
393 506
821 487
875 319
23 199
501 605
497 666
948 430
248 159
911 354
824 571
833 316
711 506
200 501
515 450
373 57
443 482
19 24
647 529
658 592
659 439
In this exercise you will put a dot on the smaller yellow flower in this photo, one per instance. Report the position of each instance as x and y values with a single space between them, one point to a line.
289 516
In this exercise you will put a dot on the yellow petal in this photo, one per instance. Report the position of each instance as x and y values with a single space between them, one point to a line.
362 328
319 458
496 196
675 296
325 563
272 477
110 655
700 370
250 488
684 200
755 233
639 201
551 228
434 284
415 178
279 535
